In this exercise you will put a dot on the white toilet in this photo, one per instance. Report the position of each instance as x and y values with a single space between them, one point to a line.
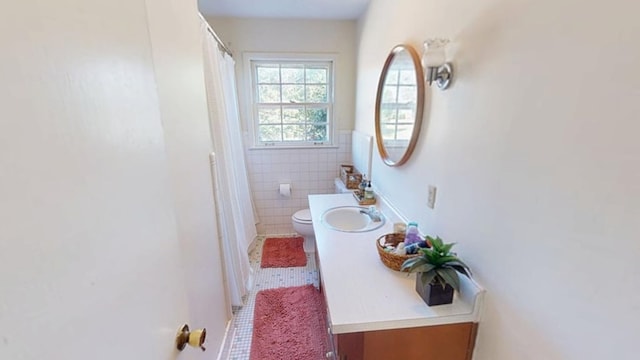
303 225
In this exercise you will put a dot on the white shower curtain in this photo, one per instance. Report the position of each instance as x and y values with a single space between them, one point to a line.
236 221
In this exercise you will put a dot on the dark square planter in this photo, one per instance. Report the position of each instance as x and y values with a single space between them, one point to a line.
434 294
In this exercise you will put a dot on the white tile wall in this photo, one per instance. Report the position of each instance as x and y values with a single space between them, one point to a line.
309 171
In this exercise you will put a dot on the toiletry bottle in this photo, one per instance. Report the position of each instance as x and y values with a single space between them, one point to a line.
363 185
368 192
413 248
399 228
412 235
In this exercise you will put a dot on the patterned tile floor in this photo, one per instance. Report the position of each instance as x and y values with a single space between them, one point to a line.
268 278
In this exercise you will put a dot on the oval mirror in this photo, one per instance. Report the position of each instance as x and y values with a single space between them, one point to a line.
399 105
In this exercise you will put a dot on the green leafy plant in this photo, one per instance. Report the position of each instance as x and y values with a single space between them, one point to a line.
438 265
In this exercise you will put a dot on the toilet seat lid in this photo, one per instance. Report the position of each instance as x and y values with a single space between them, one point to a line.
303 215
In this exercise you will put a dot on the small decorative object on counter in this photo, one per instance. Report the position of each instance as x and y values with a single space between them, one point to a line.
353 180
413 248
437 271
387 245
364 194
368 192
363 185
349 177
399 228
345 170
412 235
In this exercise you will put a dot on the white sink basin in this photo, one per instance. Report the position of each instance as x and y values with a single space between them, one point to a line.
350 219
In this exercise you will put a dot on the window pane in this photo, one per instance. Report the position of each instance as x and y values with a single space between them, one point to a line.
392 77
317 115
407 94
268 74
316 76
269 116
388 131
388 116
408 77
293 74
406 116
270 133
292 93
389 94
293 132
292 115
317 133
316 93
268 93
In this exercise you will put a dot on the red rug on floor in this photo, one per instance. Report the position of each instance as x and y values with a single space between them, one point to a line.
289 324
283 252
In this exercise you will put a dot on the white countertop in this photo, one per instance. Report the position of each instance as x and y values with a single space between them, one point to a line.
363 294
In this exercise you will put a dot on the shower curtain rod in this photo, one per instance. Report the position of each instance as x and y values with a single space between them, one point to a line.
221 44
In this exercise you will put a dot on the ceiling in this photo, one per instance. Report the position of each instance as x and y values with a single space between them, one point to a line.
284 9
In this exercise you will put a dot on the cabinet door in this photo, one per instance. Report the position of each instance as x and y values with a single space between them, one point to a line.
350 346
442 342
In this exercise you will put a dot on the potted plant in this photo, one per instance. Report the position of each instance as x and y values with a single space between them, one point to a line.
437 271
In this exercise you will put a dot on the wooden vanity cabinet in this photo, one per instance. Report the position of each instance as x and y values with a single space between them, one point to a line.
439 342
436 342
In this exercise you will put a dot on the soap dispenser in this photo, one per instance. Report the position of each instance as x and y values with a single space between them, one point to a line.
368 192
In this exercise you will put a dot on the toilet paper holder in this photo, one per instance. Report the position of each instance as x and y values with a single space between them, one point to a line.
194 338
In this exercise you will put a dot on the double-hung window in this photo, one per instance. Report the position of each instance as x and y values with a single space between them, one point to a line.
292 102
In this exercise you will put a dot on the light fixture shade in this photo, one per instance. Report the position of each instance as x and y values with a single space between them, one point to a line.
434 55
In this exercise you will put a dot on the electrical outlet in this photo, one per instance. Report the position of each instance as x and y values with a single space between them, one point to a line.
431 200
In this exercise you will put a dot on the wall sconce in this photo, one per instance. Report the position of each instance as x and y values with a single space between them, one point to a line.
434 63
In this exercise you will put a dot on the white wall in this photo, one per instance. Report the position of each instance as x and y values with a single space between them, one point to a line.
534 152
310 171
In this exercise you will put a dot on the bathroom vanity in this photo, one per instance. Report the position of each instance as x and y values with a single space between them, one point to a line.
373 312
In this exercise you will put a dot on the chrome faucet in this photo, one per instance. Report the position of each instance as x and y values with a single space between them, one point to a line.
373 214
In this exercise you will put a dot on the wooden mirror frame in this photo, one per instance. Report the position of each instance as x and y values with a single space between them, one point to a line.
419 104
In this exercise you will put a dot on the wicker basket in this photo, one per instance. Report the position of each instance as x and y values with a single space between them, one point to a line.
350 178
392 260
353 180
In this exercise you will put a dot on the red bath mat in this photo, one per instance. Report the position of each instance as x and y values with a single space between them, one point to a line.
283 252
289 323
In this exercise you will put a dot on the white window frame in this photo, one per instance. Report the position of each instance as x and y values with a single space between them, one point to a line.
251 109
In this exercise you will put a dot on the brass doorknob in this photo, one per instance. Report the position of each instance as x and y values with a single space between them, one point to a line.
194 338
